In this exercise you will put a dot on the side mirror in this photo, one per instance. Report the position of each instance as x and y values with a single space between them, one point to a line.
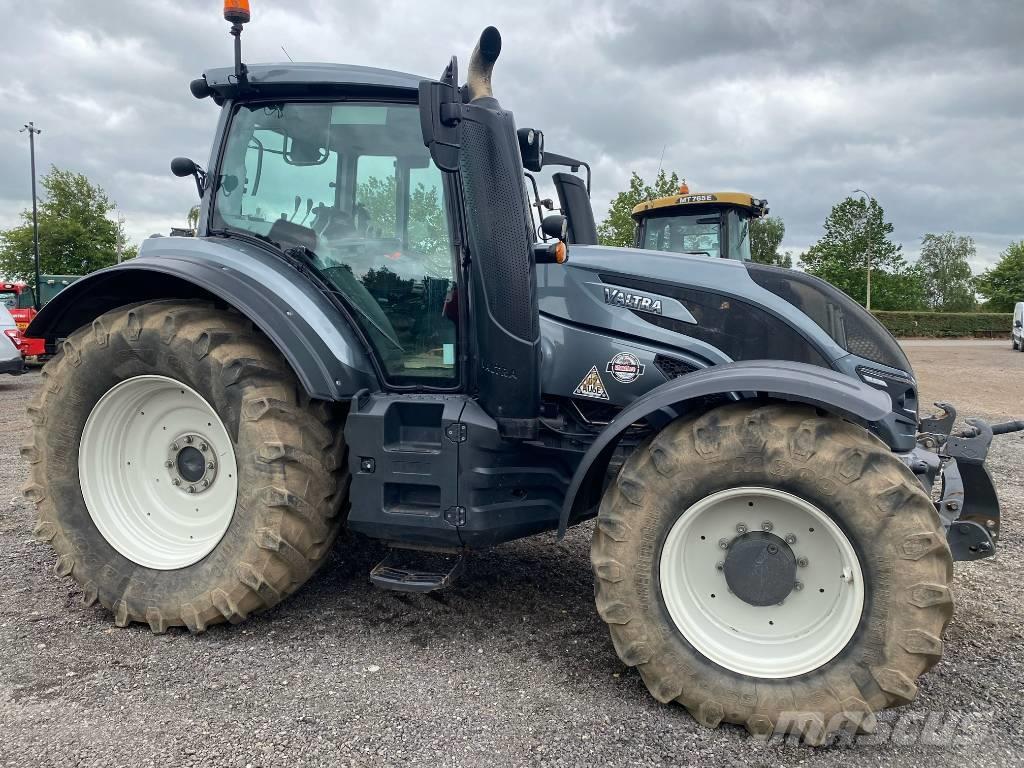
183 166
440 114
556 226
531 147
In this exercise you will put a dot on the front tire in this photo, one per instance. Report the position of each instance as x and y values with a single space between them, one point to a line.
874 568
178 470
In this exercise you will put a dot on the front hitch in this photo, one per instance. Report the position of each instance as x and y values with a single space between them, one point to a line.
968 504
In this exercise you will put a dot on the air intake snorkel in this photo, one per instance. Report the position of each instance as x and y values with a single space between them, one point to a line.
502 281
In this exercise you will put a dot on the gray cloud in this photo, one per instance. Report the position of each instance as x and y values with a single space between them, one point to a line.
800 102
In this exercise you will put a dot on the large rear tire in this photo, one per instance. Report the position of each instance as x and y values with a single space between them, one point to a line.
179 471
699 507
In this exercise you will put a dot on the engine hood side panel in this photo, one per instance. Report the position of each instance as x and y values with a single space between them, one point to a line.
575 292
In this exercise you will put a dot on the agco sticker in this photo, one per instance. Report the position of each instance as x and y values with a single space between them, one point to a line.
592 386
625 368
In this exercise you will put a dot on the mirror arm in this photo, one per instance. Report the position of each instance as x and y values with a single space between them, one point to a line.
200 177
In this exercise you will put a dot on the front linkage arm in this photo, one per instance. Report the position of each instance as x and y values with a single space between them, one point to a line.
968 505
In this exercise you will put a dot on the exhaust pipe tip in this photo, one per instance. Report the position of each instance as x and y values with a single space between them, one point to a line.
481 64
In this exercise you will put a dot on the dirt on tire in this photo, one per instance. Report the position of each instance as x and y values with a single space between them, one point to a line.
292 473
835 465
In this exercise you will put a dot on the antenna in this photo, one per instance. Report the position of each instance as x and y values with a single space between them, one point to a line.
288 55
661 160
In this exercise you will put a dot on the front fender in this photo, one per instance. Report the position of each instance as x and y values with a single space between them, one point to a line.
319 343
780 380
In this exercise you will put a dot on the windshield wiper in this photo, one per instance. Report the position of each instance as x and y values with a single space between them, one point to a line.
304 259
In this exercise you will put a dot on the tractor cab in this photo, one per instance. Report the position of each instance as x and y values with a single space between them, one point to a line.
715 224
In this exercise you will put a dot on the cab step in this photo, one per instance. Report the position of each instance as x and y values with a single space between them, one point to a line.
409 570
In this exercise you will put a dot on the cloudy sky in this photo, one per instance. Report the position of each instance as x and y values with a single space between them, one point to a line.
919 103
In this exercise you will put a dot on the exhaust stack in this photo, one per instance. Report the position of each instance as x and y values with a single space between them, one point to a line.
481 64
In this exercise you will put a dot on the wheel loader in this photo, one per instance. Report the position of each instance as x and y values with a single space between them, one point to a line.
368 334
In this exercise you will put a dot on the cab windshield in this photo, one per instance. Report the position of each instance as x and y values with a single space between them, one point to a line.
717 235
17 299
354 183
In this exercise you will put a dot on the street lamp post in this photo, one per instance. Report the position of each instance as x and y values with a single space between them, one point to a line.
32 131
863 229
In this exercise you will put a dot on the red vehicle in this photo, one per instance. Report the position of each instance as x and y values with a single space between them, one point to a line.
21 301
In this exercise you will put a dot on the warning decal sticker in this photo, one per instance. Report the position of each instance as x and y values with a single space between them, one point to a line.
592 386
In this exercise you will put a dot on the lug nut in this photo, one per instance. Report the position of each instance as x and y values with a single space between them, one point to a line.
719 566
741 528
953 506
802 562
204 447
211 465
191 489
723 543
188 439
767 525
206 483
174 446
168 463
175 481
790 538
798 586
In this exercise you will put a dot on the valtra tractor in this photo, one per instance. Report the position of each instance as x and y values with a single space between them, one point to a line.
368 333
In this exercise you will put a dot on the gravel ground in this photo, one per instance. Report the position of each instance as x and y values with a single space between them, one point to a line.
510 667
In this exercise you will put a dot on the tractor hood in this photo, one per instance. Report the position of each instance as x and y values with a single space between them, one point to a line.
716 309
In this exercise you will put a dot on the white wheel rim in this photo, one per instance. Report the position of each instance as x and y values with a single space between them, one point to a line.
131 435
810 627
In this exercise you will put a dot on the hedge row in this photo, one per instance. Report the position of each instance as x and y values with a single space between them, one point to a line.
947 324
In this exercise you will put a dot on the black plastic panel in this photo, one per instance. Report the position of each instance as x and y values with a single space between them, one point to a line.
850 325
404 467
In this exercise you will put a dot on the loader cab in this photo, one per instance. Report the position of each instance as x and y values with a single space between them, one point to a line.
716 225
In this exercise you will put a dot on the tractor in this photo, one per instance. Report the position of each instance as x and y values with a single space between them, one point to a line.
715 224
367 333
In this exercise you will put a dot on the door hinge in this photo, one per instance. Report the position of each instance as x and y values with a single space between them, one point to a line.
455 516
456 432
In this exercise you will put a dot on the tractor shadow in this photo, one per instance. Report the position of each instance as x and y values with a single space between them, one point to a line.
533 598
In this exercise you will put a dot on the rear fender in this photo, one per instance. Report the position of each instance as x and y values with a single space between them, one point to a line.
777 380
318 341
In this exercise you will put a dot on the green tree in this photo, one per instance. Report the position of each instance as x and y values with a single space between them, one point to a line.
947 275
766 236
1003 285
618 226
75 234
193 218
428 227
853 229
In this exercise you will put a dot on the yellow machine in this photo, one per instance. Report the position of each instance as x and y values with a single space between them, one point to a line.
715 224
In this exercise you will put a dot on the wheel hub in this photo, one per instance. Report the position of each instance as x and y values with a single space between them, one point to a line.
191 463
760 568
